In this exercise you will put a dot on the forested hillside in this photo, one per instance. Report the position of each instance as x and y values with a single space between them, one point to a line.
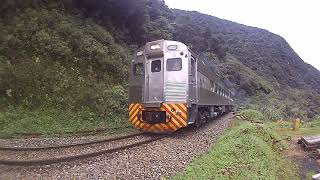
294 86
73 56
266 53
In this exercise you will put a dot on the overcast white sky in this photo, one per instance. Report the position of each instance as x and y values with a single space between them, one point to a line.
296 20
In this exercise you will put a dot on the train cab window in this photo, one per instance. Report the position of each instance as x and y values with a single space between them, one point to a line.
174 64
156 66
138 69
212 85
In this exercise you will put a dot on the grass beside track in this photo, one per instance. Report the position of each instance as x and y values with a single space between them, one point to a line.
52 122
246 151
307 128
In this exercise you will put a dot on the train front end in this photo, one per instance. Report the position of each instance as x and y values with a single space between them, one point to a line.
158 87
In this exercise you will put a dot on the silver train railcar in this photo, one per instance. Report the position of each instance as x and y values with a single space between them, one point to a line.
169 88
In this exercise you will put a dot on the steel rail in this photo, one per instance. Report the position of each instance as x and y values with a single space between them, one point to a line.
69 145
92 131
75 157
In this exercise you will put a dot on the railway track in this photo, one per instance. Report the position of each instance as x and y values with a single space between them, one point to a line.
68 158
72 133
69 145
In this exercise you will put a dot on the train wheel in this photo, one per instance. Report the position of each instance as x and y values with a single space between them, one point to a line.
198 120
205 117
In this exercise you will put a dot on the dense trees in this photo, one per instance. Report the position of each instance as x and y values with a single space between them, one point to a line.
50 59
131 21
267 54
199 38
264 62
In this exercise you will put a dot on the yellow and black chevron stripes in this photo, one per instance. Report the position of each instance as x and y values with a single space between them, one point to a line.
176 118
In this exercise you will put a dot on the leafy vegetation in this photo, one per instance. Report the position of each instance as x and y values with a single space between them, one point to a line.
252 115
55 122
255 53
267 54
307 128
51 61
241 78
314 123
133 22
244 152
286 104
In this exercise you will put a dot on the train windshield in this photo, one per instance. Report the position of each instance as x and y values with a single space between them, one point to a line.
174 64
156 66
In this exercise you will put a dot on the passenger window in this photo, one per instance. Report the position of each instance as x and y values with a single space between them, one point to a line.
193 67
138 69
156 66
212 86
174 64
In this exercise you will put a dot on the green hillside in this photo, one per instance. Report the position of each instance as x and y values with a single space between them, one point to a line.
58 70
69 59
267 55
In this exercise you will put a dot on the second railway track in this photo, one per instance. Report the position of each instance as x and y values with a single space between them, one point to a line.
20 153
68 145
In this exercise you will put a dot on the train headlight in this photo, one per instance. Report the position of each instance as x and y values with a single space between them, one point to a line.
172 47
155 46
168 118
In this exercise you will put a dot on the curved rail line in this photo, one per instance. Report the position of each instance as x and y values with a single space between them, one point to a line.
70 145
81 132
75 157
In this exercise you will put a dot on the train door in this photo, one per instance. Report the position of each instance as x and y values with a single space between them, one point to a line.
154 80
193 91
193 95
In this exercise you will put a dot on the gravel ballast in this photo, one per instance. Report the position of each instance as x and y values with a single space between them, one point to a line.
156 160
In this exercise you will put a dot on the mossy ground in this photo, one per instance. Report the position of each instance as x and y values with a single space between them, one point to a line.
246 151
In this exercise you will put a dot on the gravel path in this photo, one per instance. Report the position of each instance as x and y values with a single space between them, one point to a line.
156 160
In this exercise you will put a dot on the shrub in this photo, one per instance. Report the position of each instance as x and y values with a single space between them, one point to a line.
315 123
51 59
253 115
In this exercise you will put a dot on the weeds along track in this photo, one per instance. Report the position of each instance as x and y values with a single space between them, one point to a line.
37 156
